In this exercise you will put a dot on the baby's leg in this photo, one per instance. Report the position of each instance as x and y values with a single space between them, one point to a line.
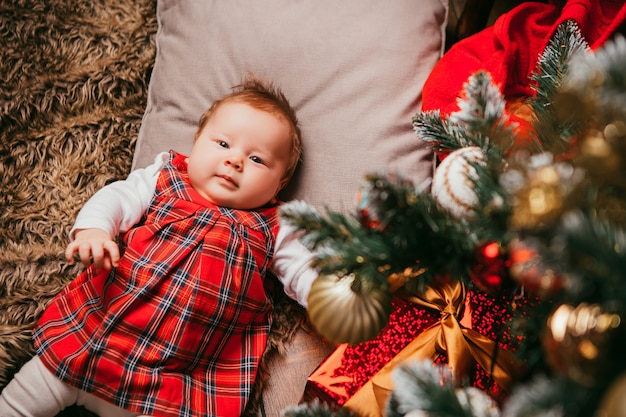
101 407
35 392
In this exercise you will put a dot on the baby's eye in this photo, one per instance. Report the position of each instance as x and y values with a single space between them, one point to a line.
256 160
222 143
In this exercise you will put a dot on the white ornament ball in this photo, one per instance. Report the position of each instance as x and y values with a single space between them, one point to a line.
453 187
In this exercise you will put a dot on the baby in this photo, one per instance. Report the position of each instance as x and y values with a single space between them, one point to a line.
177 324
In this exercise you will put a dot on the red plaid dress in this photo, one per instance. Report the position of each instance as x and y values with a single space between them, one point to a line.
179 327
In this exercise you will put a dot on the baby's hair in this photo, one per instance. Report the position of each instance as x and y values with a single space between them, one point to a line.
264 96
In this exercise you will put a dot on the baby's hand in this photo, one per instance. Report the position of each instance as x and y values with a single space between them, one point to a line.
93 246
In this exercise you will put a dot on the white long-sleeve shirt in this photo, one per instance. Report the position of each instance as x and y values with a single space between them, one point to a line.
120 205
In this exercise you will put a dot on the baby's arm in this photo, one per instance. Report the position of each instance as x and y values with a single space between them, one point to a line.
113 209
291 264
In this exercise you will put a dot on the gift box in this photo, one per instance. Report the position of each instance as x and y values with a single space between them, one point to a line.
349 367
446 324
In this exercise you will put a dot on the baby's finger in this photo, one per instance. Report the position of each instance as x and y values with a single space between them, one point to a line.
70 251
97 256
106 263
114 252
84 253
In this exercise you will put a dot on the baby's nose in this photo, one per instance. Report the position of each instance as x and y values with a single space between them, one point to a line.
233 161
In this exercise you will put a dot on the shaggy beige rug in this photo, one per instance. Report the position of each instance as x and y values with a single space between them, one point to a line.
73 85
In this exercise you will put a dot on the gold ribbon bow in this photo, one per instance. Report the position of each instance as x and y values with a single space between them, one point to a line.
463 346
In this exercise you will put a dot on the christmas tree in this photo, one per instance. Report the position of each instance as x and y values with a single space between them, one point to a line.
542 221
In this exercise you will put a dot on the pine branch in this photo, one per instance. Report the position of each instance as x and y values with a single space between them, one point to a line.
317 409
539 398
426 387
439 134
611 61
599 78
481 112
555 127
413 234
494 206
319 228
551 397
593 256
480 121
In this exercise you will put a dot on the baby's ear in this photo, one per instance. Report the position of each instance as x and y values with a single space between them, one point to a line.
282 185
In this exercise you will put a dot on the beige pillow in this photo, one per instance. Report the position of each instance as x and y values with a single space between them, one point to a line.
352 69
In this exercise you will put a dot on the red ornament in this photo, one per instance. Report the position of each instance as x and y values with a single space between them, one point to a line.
366 214
527 269
490 272
379 196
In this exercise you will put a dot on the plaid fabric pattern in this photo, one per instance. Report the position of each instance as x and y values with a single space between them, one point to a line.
179 327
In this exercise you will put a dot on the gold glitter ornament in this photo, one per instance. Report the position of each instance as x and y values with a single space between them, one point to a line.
598 157
613 403
344 311
576 340
542 189
543 195
615 131
537 205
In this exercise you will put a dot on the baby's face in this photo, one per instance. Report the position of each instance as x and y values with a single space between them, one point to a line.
240 157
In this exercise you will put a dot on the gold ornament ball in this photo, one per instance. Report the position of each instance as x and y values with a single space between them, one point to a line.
345 311
540 202
598 156
576 340
614 402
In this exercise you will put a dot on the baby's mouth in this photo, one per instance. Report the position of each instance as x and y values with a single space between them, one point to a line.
228 180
